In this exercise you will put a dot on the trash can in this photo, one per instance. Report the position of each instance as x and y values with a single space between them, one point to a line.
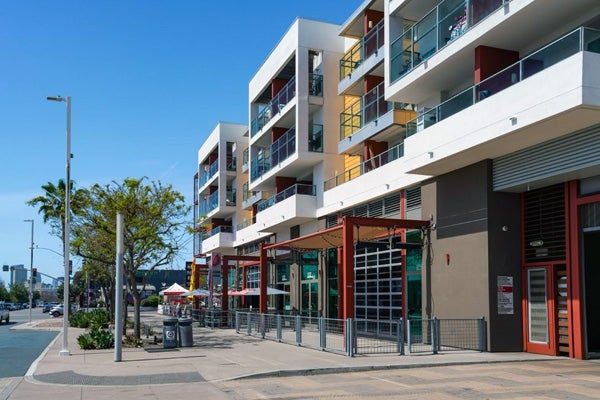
169 333
186 338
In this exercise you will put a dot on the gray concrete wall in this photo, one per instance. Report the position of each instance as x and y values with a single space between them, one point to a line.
469 250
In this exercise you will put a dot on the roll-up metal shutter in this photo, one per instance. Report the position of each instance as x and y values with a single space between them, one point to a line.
560 156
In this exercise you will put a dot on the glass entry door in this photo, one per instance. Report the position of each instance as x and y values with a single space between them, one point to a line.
540 335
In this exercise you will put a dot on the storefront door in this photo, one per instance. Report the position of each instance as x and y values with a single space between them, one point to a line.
591 267
540 311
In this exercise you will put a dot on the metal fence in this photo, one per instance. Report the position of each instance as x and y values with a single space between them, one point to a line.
353 336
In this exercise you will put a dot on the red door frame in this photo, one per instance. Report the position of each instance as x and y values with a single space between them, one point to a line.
575 274
550 348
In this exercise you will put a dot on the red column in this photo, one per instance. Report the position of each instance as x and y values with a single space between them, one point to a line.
348 269
225 287
263 279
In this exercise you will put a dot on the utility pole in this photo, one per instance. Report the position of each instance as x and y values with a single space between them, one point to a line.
30 271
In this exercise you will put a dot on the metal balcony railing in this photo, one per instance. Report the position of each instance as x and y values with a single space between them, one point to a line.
287 93
445 23
582 39
371 164
207 174
272 155
363 49
298 188
218 229
368 108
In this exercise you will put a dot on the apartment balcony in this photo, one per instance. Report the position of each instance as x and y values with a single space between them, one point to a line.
550 93
271 109
445 23
209 173
250 197
364 167
277 108
367 54
271 156
211 207
436 53
295 205
245 160
220 237
371 116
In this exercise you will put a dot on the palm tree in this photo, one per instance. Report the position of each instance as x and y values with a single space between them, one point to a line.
52 205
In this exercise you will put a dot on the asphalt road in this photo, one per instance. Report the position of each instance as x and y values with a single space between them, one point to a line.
20 348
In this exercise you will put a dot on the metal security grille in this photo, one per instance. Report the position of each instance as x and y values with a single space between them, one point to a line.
544 218
378 283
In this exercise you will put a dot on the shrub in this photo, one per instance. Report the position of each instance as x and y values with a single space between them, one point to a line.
79 320
97 318
96 338
151 301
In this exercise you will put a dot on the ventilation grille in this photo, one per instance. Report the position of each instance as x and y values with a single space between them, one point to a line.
387 207
413 198
544 218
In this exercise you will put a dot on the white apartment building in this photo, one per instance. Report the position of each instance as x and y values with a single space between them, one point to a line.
480 117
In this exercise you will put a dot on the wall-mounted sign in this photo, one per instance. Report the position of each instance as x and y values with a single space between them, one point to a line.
506 302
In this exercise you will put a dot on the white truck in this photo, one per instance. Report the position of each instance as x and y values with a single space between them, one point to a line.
4 313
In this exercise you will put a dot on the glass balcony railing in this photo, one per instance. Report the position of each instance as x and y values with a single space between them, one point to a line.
365 110
362 50
446 22
209 204
207 174
246 157
315 138
287 93
315 86
245 223
582 39
271 156
230 196
218 229
231 163
371 164
246 192
298 188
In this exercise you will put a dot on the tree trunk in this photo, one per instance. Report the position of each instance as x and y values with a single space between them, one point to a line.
136 314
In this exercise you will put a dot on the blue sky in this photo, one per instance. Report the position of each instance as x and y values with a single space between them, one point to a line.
148 79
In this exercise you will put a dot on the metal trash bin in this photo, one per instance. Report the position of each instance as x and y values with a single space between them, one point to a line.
169 333
186 339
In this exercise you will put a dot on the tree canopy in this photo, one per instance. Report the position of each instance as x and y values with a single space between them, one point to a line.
155 220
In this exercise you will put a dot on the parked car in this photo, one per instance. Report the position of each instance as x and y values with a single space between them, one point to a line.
59 310
11 306
4 313
47 307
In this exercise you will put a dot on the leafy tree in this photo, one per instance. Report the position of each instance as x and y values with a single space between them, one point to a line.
4 295
19 293
52 205
154 218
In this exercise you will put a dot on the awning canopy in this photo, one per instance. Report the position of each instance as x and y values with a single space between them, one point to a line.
363 229
174 290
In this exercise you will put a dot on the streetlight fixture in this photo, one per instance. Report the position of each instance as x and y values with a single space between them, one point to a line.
30 271
67 232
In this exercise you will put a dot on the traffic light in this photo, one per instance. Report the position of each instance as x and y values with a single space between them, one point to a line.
35 272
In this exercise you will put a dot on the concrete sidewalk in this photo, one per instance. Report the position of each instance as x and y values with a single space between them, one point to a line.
216 356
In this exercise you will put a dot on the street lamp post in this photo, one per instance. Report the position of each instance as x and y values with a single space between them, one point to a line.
67 232
30 271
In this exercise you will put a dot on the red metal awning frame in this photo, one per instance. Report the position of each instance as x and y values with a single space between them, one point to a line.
340 236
